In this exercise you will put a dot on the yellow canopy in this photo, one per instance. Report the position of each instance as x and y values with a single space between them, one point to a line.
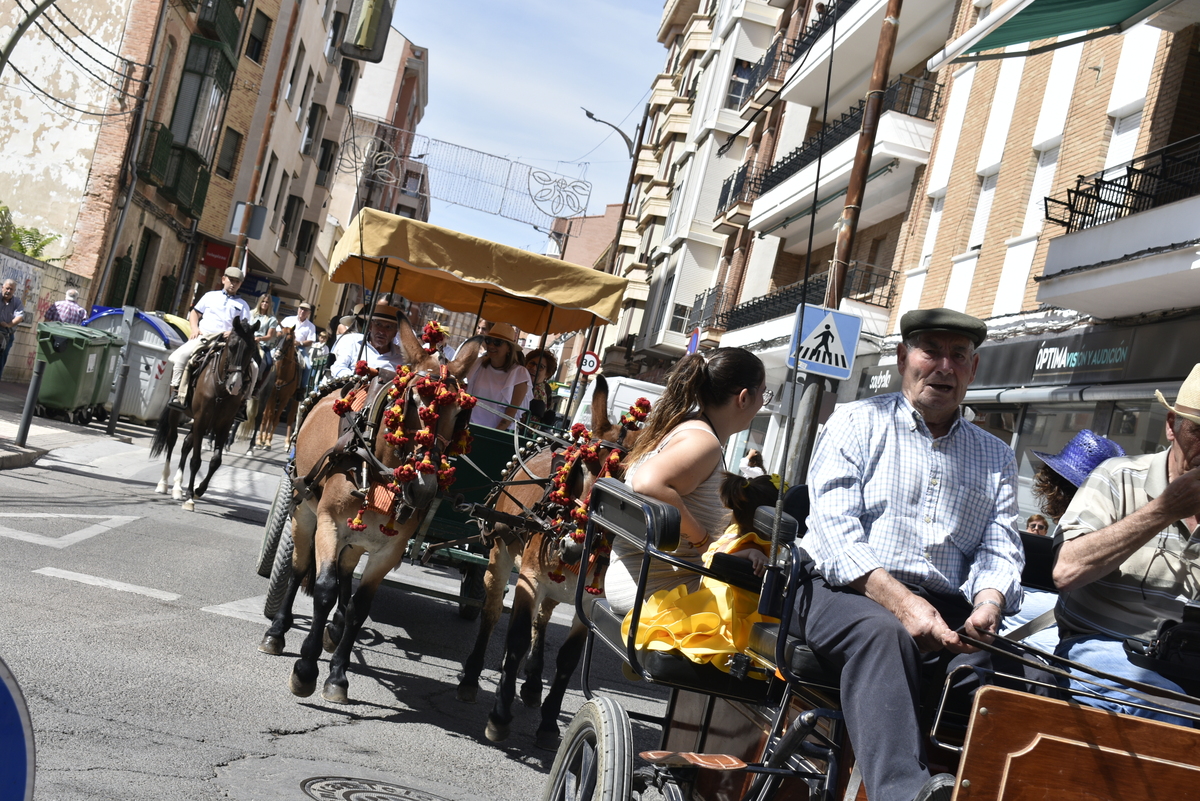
428 264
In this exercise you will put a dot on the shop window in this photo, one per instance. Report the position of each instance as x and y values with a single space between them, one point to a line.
1139 426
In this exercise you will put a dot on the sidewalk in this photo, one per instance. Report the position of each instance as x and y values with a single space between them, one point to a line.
48 434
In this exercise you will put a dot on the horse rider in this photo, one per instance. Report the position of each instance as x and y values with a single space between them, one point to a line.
304 331
381 351
210 318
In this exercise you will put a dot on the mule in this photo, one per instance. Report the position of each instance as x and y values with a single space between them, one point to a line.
333 524
547 576
278 400
223 382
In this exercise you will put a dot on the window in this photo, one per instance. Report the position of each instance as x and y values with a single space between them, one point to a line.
291 220
277 206
931 230
168 68
346 80
679 317
984 8
203 90
983 210
412 184
304 243
1122 144
272 165
664 300
1043 183
312 128
256 42
739 84
227 161
325 161
294 78
334 39
300 107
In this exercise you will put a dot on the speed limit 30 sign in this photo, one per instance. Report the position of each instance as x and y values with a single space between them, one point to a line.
589 363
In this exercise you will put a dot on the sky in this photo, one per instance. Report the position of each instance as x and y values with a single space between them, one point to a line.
508 77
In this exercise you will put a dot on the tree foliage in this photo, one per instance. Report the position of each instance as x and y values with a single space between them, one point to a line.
29 241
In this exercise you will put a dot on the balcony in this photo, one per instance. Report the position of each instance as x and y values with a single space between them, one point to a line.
218 20
922 31
186 181
766 76
1133 237
154 154
737 198
865 283
789 191
710 308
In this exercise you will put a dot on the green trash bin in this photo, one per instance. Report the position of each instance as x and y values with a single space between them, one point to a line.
74 358
108 372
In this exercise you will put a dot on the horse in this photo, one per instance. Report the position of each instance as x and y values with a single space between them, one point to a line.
277 401
369 497
548 485
223 381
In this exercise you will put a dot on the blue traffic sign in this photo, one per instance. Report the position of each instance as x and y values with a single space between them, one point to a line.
825 342
16 741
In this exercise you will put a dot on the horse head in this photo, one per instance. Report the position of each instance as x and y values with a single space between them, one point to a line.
240 354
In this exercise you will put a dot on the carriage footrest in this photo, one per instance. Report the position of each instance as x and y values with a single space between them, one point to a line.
683 759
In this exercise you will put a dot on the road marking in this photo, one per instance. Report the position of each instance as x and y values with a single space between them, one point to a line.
96 581
108 523
251 609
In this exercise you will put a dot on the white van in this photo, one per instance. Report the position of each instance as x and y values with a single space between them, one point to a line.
622 393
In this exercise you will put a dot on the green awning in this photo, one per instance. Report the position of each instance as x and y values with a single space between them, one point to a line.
1046 19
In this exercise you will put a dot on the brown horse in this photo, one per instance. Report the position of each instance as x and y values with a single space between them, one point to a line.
335 521
546 578
278 400
224 381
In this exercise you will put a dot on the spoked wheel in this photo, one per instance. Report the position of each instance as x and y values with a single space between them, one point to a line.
471 592
595 760
281 570
281 512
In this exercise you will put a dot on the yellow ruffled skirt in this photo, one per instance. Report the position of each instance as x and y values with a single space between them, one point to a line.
707 626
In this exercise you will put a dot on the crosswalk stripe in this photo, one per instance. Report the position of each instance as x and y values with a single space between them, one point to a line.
96 581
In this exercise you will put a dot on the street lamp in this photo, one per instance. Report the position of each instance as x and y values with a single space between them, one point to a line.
628 142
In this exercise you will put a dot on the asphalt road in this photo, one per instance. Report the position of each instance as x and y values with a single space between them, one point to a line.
133 627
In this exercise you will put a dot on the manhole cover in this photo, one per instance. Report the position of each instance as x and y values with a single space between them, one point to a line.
344 788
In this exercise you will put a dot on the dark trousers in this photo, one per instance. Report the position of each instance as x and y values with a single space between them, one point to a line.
885 678
6 341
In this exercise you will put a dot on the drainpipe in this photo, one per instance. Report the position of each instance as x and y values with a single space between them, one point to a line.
139 125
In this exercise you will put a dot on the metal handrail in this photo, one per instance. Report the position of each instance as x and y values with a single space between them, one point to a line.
772 66
865 283
744 186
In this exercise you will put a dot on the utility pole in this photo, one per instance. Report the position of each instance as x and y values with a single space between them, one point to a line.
814 386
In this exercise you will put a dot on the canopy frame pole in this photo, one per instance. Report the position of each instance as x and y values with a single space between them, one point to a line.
362 344
573 403
479 314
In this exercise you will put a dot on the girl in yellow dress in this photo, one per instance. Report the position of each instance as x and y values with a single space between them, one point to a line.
713 623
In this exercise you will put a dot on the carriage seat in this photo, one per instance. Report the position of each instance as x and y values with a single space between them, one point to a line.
1039 562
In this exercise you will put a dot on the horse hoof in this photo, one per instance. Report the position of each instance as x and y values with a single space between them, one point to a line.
496 732
250 451
335 693
271 645
188 506
161 489
531 697
467 694
302 688
177 494
327 641
547 739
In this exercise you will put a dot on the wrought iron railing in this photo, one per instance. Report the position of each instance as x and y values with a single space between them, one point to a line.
186 181
218 20
914 97
709 308
817 28
741 187
154 155
773 66
1155 179
865 283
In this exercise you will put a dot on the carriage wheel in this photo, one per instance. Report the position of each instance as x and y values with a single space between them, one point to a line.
595 760
281 571
471 588
281 512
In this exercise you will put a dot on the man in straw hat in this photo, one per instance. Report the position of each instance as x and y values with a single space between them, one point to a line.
1130 555
911 537
381 351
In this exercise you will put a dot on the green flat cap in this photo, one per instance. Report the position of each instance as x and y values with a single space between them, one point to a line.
918 320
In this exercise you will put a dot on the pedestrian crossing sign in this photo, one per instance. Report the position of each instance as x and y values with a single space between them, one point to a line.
824 341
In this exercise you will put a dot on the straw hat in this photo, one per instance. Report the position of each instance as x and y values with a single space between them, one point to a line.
1187 403
503 331
388 313
1081 456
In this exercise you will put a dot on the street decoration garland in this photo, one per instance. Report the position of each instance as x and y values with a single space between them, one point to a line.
436 395
572 518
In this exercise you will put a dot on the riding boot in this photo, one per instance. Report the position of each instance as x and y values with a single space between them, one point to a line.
175 403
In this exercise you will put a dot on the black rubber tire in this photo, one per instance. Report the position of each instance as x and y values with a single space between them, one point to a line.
594 762
281 512
471 587
281 571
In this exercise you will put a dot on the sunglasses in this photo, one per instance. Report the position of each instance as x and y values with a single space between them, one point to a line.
1037 527
495 342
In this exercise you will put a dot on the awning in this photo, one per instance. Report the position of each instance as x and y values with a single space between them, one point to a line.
1018 21
463 273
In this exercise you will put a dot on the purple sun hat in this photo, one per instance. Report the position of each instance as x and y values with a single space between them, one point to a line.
1081 456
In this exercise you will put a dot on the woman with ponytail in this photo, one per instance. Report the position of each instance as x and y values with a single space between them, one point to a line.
678 459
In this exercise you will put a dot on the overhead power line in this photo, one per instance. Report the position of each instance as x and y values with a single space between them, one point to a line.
42 91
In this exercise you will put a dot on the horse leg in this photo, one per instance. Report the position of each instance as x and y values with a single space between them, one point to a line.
531 690
222 436
337 623
515 647
188 443
568 659
161 489
304 673
337 686
189 505
500 563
